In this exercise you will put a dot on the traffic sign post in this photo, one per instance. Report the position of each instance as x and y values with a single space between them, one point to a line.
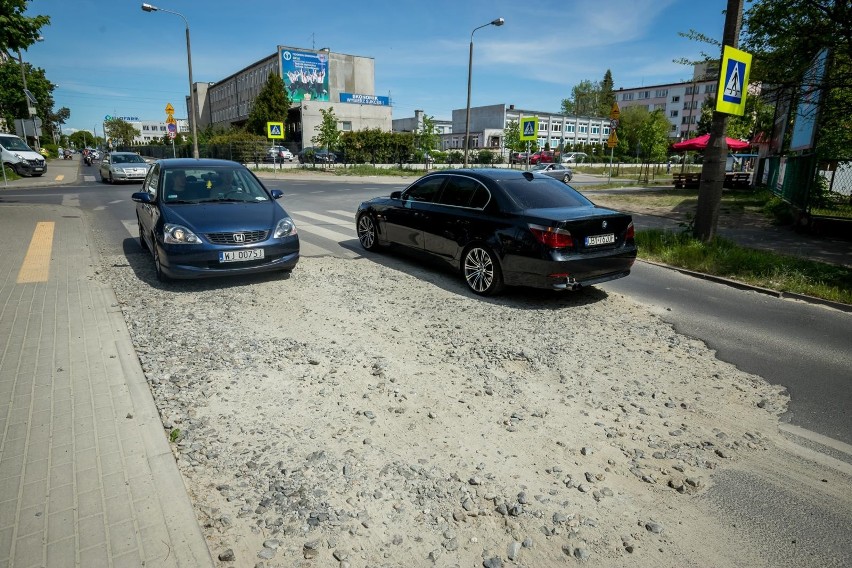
528 132
612 142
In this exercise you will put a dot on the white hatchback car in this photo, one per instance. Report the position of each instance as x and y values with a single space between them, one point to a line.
279 154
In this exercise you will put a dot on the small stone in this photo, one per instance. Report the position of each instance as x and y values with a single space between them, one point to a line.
474 481
722 453
493 562
369 414
129 415
266 554
584 487
227 556
586 451
654 527
513 549
522 498
459 516
528 542
581 554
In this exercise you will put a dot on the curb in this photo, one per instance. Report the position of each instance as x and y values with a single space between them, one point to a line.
743 286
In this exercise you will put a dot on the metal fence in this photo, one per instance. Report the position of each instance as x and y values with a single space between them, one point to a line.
820 189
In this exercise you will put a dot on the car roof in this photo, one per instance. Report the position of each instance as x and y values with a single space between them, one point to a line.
193 162
493 174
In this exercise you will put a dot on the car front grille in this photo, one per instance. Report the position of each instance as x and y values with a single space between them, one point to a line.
36 163
229 238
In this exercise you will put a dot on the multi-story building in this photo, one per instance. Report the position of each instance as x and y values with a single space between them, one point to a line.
415 124
316 80
488 124
681 102
150 130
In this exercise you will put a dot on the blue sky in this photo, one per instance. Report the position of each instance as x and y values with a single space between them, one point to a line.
110 57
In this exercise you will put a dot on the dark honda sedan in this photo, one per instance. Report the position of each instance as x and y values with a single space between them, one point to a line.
503 227
202 218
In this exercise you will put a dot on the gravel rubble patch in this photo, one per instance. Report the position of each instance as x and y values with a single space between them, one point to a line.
372 412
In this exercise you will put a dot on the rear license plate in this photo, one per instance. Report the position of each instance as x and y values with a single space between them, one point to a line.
240 255
600 240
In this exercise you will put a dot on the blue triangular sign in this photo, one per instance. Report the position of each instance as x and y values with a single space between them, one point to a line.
275 129
528 128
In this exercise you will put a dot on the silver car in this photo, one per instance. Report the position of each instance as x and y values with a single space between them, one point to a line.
123 166
558 171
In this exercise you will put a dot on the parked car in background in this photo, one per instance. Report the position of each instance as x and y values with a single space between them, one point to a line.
543 157
574 157
123 166
503 227
205 218
556 171
311 155
278 154
518 157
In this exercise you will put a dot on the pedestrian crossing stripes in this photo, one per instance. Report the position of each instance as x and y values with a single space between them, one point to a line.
327 233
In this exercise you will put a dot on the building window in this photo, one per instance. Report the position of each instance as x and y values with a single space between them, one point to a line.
346 126
661 93
676 99
673 114
569 128
606 130
542 126
596 129
557 127
584 129
627 97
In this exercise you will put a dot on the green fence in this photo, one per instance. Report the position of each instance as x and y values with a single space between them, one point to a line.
791 178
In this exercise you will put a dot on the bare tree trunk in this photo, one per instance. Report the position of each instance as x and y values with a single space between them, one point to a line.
716 153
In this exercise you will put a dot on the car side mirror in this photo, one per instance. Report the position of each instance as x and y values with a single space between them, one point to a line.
276 194
142 197
396 195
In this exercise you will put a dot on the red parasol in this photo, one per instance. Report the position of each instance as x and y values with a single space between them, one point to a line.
700 143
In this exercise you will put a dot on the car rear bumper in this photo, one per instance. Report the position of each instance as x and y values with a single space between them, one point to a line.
568 272
181 262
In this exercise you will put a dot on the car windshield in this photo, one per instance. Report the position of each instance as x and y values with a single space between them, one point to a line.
211 184
542 192
14 143
540 167
126 159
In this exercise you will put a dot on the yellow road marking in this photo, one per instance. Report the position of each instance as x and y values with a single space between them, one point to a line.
60 177
36 266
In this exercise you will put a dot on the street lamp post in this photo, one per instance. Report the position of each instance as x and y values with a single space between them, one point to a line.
27 95
497 22
192 101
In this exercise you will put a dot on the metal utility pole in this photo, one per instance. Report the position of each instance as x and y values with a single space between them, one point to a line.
713 168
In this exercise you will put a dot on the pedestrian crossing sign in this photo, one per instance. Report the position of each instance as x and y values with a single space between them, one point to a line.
529 128
275 130
733 83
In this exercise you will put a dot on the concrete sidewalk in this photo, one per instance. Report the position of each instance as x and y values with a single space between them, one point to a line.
87 477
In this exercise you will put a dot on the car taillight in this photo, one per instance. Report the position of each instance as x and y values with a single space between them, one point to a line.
631 232
551 237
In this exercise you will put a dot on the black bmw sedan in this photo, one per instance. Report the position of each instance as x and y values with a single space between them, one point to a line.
503 227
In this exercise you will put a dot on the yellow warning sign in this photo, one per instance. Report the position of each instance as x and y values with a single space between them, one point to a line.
612 142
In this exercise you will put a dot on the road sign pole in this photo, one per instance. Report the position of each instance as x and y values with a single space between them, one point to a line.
611 154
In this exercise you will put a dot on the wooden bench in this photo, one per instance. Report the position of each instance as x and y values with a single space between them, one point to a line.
737 179
686 180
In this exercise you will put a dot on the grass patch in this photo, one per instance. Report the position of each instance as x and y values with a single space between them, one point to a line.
370 170
766 269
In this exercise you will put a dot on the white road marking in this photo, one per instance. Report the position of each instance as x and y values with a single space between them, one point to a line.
89 178
324 218
116 201
131 226
347 214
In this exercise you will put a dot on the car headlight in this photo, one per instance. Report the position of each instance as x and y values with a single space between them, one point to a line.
179 235
284 228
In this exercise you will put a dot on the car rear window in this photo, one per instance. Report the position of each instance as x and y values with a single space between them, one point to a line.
542 193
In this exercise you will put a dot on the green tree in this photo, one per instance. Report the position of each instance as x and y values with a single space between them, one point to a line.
512 137
270 105
784 36
13 103
82 139
654 136
328 135
630 130
427 139
607 94
585 99
18 31
120 132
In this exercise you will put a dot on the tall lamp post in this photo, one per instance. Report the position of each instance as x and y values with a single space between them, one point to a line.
192 102
497 22
29 97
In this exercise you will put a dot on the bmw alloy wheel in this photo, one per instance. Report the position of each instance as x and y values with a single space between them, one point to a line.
367 232
481 272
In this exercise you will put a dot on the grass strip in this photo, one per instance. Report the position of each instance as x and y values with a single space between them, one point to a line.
766 269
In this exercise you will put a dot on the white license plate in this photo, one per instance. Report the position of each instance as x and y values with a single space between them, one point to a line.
600 240
240 255
38 169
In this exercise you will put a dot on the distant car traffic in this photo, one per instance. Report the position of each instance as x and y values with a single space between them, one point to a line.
206 218
518 157
556 171
543 157
278 154
503 227
122 166
574 157
316 155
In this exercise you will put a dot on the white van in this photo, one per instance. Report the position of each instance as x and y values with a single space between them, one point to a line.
20 157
